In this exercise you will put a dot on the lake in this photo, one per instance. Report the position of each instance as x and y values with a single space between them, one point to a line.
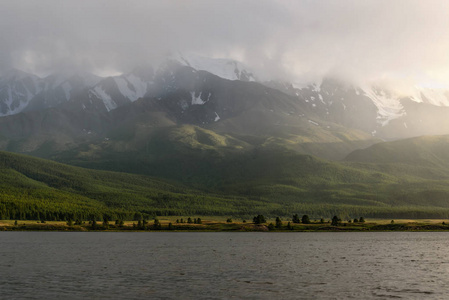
204 265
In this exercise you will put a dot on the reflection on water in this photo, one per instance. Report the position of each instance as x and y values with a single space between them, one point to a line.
166 265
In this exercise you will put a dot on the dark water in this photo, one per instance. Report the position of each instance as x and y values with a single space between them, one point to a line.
54 265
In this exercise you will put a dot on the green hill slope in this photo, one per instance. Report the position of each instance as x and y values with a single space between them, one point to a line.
280 180
424 151
32 188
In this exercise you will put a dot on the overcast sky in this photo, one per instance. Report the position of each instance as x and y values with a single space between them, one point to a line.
402 40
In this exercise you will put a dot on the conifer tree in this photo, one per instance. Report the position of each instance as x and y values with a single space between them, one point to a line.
305 219
278 222
335 221
157 225
295 218
259 219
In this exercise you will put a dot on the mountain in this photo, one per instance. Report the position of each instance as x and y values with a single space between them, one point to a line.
59 88
380 111
178 95
329 120
119 90
21 91
375 110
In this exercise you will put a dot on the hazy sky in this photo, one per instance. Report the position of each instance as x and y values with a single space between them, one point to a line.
402 40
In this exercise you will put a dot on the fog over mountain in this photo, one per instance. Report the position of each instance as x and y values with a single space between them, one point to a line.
400 42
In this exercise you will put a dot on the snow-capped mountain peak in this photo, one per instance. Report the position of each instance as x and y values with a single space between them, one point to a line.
17 88
224 68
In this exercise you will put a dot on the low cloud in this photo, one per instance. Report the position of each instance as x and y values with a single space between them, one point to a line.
402 40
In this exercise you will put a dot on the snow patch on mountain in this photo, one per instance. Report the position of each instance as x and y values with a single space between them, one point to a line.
107 100
437 97
131 86
197 100
388 105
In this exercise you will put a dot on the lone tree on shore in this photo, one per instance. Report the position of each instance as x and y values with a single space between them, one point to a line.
305 219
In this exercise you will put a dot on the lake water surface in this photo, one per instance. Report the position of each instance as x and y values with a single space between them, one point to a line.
171 265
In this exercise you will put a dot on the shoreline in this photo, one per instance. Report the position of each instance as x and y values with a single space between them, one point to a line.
217 226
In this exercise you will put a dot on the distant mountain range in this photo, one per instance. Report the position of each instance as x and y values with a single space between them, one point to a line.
377 111
213 126
47 116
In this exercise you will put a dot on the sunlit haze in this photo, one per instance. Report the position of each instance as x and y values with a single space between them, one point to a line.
302 41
